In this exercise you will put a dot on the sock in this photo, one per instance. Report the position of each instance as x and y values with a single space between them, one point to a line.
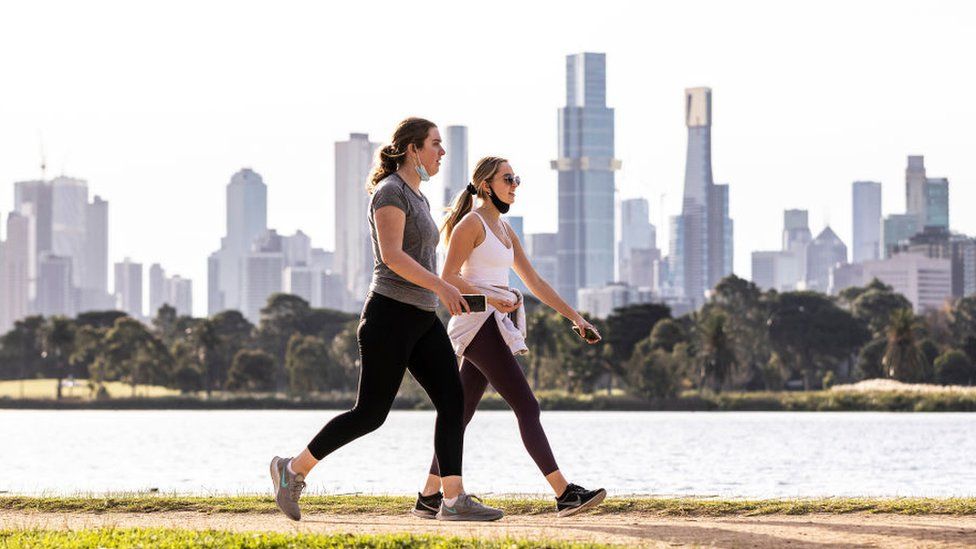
450 501
290 470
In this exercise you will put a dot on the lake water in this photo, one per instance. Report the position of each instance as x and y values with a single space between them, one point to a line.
734 454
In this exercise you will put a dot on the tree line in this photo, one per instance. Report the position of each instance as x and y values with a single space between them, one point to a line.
741 339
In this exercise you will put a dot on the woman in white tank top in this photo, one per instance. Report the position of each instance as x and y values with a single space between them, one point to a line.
482 249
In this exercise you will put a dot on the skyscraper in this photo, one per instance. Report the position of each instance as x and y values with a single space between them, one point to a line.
247 218
15 270
455 162
39 195
96 247
354 252
937 202
915 189
638 237
866 222
69 218
823 253
585 167
541 249
128 287
898 228
157 289
705 252
262 274
179 294
55 293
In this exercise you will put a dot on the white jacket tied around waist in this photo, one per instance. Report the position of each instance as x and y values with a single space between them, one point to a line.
487 271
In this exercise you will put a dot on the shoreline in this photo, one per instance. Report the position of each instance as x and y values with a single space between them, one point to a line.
786 401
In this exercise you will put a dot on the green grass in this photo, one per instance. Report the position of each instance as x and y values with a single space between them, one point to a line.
39 394
129 503
166 538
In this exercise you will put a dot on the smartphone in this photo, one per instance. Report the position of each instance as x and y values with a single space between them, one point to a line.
589 335
478 303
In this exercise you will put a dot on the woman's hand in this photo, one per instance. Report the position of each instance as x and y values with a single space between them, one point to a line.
451 298
503 305
581 326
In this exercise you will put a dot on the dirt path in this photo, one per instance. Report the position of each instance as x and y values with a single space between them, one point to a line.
820 531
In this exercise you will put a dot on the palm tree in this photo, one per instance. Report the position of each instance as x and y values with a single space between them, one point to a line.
716 355
903 359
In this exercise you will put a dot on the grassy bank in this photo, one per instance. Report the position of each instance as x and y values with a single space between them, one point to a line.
810 401
136 503
171 538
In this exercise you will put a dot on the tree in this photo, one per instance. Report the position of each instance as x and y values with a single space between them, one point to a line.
234 332
99 319
132 354
164 324
57 341
203 340
747 334
22 349
344 355
715 356
875 306
903 359
666 334
962 321
540 338
869 359
628 325
652 372
307 362
811 333
954 368
580 362
251 370
283 316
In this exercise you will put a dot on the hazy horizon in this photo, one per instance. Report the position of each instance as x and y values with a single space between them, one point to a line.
157 106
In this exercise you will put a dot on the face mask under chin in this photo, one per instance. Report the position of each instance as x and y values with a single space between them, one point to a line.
421 170
502 207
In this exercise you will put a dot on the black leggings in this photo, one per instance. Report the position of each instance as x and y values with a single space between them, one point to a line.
488 359
394 336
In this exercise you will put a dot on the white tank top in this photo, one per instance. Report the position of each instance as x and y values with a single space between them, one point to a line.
489 261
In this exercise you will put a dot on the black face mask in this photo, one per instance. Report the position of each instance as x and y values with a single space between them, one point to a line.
502 206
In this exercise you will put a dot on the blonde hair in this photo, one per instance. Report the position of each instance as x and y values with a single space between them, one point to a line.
484 170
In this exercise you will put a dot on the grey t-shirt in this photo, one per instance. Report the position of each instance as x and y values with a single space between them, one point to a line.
420 237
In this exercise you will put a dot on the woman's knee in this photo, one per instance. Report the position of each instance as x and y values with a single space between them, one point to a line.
528 408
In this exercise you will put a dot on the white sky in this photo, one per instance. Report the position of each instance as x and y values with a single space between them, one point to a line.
157 105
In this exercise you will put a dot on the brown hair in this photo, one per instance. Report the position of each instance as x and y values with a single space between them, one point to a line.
484 170
411 130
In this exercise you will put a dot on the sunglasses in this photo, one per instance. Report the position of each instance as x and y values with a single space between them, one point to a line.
512 180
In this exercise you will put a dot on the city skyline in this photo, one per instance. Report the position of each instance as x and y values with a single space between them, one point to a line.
779 150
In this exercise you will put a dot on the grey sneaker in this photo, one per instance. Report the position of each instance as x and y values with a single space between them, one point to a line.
468 507
288 487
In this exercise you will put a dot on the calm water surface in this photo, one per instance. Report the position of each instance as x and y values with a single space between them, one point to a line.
747 454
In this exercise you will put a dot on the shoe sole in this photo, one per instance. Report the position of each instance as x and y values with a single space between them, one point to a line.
597 500
456 518
423 514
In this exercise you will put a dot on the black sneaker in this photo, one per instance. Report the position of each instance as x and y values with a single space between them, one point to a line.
427 506
576 499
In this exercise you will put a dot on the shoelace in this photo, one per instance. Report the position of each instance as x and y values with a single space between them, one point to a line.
295 489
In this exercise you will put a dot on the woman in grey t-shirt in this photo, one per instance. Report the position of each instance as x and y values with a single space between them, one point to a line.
398 329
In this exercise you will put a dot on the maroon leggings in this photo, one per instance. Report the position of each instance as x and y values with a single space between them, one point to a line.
488 359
